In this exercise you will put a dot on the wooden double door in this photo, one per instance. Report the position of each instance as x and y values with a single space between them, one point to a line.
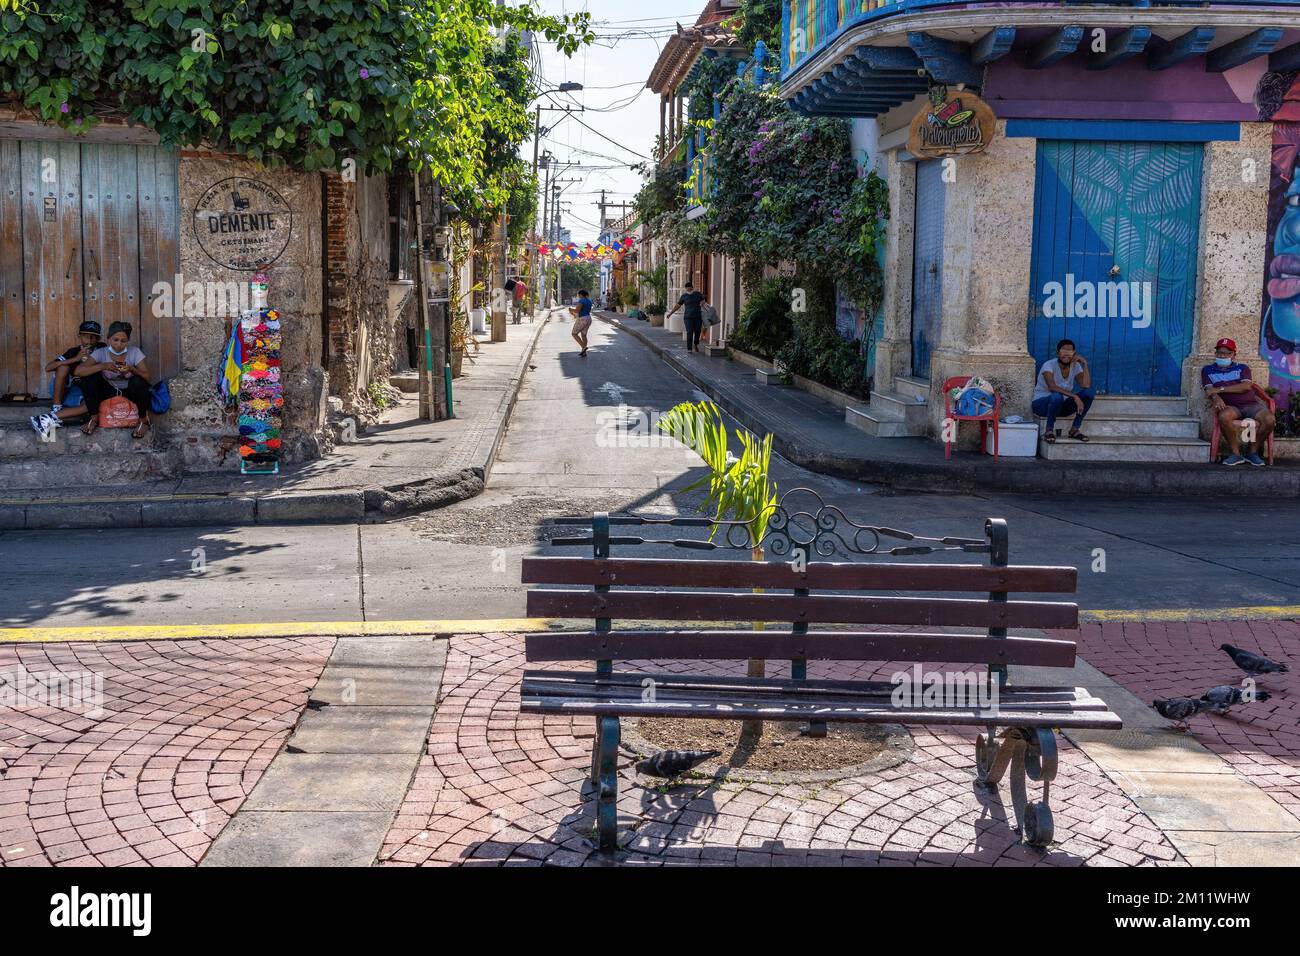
86 230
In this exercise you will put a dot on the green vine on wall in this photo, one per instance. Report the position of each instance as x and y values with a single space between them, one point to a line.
307 83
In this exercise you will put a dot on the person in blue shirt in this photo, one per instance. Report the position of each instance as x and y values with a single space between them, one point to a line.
693 317
581 313
1064 385
1232 396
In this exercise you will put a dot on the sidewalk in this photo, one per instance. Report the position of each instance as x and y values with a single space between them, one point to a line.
400 465
812 433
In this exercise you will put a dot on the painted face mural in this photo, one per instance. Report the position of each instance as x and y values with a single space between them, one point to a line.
1281 329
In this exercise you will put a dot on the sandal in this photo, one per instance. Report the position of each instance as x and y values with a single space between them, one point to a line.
1078 435
91 424
141 430
1049 437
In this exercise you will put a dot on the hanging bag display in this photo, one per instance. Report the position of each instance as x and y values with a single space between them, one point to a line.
118 412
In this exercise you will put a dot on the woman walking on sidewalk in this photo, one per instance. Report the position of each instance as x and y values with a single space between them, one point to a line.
693 316
581 312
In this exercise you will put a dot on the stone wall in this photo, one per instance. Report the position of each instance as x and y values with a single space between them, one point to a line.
361 328
197 423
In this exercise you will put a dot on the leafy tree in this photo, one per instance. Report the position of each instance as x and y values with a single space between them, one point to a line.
308 83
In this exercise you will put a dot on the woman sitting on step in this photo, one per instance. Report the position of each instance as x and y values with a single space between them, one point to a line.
118 368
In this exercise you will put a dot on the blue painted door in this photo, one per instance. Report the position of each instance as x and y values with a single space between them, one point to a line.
927 264
1114 257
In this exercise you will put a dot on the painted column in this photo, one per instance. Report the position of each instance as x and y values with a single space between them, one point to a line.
894 350
988 225
1234 238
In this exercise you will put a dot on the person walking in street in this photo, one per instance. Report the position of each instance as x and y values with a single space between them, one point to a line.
1063 384
581 313
692 315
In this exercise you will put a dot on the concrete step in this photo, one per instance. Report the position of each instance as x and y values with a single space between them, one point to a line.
408 382
1139 406
897 407
1126 448
19 439
871 421
1163 426
913 388
20 413
63 471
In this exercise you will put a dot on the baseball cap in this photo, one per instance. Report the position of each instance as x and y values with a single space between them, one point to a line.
1226 344
90 326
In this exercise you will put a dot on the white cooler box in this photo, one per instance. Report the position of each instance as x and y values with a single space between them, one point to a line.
1016 441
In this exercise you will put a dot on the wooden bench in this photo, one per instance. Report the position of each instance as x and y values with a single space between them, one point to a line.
1019 731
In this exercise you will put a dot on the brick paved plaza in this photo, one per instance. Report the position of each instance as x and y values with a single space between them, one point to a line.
188 727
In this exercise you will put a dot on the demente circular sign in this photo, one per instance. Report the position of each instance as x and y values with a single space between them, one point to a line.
242 224
953 123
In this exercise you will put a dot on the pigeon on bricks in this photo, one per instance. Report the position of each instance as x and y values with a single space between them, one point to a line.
1180 709
674 763
1253 663
1225 696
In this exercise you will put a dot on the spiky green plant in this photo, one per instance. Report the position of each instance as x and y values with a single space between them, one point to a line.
740 488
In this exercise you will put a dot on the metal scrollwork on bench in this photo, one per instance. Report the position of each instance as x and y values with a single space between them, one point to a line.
1028 752
801 521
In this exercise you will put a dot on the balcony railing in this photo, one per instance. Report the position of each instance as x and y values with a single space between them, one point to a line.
810 26
699 180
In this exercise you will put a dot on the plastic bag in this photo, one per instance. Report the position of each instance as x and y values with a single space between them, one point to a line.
709 314
118 412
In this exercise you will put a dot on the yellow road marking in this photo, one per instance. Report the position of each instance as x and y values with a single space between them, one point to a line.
181 632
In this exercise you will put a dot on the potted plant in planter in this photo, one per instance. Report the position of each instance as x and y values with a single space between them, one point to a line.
655 312
631 299
461 340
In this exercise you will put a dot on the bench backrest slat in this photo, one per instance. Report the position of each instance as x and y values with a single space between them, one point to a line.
824 608
660 572
822 646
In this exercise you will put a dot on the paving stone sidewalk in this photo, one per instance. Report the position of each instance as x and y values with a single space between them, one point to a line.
186 730
401 465
498 787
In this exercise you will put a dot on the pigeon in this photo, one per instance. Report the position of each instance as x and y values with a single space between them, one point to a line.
1225 696
674 763
1253 663
1180 709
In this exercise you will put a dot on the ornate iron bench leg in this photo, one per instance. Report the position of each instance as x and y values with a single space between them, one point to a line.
1027 752
607 740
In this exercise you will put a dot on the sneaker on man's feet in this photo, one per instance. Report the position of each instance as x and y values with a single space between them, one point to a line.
1255 460
1233 460
45 424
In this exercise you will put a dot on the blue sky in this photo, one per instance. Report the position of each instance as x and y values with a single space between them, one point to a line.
630 34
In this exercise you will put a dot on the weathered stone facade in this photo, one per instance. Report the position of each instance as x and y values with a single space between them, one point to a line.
197 423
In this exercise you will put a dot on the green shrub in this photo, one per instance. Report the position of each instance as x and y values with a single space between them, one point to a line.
765 324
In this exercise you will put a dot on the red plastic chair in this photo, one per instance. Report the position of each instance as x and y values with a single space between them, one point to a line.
1214 433
984 420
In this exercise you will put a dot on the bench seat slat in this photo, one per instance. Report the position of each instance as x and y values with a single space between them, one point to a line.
557 683
877 696
814 645
861 576
824 608
790 709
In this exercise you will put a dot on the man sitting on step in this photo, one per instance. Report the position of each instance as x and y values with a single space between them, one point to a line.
1233 398
1063 385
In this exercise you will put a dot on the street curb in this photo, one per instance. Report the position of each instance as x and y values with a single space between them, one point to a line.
363 504
971 473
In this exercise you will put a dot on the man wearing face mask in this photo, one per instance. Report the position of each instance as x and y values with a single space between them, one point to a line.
1229 388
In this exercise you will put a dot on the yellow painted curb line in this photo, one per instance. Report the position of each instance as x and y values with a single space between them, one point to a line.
181 632
1263 612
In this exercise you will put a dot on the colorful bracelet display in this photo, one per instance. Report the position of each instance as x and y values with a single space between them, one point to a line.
261 401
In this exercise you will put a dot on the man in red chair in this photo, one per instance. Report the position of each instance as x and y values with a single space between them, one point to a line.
1233 398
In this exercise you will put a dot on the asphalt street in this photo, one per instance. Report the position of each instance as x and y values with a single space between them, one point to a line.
581 439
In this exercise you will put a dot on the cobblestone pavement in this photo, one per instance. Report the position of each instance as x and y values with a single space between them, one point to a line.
499 787
184 731
1261 741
